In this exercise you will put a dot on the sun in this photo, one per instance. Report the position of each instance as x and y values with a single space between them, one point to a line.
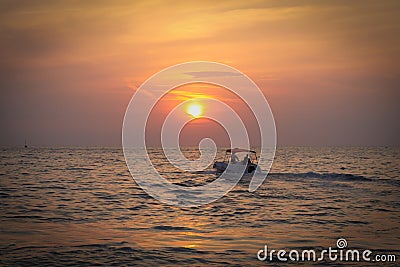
195 110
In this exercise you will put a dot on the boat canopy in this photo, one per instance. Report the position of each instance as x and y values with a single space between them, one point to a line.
236 150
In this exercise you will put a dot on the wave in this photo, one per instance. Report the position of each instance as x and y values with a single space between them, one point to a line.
314 175
79 169
327 176
172 228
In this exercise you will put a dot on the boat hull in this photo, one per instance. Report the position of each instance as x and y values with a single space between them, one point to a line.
221 167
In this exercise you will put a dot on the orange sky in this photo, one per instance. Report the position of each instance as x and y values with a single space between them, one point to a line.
329 69
198 129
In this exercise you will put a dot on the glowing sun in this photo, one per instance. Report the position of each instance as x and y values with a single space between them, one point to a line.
195 110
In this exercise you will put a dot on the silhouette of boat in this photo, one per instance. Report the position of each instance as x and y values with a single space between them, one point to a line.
235 159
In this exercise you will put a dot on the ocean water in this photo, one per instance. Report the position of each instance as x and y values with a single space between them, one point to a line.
81 207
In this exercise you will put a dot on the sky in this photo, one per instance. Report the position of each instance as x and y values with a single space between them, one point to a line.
329 69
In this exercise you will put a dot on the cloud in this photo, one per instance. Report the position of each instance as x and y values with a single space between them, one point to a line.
61 52
205 74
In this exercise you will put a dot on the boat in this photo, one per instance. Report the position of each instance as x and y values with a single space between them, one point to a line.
235 159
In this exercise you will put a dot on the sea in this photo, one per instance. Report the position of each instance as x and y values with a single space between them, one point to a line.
78 206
